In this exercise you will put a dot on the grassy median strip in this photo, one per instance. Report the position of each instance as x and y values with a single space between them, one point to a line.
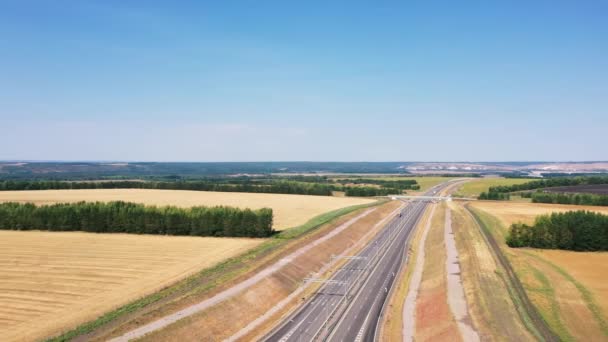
219 273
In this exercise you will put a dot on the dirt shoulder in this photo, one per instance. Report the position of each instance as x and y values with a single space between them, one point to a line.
392 325
228 318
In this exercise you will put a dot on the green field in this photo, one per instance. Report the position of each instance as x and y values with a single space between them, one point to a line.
479 185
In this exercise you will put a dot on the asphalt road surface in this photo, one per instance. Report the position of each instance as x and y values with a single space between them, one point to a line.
349 304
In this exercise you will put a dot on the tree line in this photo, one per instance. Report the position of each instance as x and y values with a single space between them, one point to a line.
495 196
573 230
551 182
567 198
368 191
126 217
405 184
276 187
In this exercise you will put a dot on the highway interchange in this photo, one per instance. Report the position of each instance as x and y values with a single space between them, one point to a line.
349 305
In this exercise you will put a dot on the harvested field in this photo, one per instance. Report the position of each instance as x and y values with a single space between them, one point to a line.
597 189
289 210
510 212
569 288
479 185
52 281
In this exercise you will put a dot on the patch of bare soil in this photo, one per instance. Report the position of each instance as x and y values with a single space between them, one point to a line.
434 320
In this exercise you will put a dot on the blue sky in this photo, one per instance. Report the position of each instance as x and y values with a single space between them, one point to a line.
280 80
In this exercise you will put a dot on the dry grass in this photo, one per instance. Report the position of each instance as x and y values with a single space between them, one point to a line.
289 210
569 288
493 313
51 281
479 185
434 319
392 325
590 269
509 212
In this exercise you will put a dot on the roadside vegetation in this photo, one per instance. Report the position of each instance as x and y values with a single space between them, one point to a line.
125 217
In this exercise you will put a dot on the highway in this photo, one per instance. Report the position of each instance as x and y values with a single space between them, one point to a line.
349 304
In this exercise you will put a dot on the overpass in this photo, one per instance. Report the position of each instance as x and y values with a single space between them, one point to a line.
431 198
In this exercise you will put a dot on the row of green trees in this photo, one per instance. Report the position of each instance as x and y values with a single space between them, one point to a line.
276 187
550 182
125 217
573 230
405 184
495 196
386 187
368 191
565 198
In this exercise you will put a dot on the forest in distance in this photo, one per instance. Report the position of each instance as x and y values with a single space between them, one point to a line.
301 185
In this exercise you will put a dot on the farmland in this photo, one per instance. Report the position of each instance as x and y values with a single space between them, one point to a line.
289 210
479 185
51 281
568 288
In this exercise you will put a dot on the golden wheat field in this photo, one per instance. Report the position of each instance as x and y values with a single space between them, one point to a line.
51 281
568 287
289 210
510 212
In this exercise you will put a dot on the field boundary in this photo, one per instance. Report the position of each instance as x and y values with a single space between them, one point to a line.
539 326
236 267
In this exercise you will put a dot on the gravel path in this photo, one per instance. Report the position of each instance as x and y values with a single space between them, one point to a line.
456 299
222 296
